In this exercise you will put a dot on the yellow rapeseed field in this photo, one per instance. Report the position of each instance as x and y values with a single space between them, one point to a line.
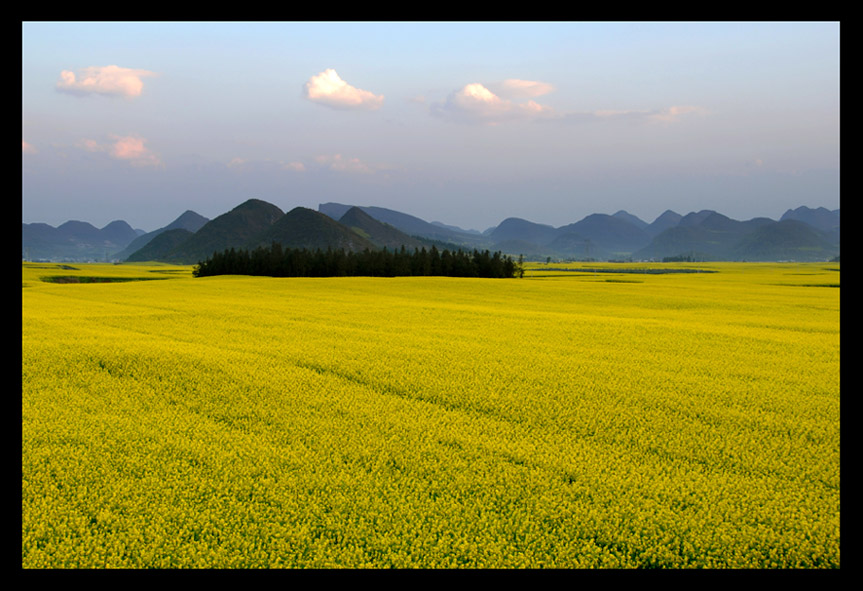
571 419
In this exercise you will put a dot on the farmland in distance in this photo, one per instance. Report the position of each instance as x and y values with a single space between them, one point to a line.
582 417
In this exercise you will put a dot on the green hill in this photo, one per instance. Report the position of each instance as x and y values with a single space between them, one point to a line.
160 246
409 224
234 229
788 239
607 236
708 235
378 233
518 229
306 228
703 235
189 220
75 241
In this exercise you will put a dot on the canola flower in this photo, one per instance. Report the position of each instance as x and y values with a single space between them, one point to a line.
566 420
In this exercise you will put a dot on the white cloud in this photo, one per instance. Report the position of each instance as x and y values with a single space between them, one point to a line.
672 114
339 163
295 166
263 165
476 103
133 150
91 145
104 80
130 148
610 113
498 102
667 115
327 88
515 88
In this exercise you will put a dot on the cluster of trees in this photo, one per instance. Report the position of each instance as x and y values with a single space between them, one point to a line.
277 261
684 258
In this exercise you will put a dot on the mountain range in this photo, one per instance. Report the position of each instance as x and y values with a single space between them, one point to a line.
802 234
189 221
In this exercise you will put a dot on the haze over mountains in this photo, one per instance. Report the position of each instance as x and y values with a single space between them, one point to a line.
801 234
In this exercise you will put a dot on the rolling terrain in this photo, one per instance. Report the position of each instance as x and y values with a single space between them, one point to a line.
188 221
801 234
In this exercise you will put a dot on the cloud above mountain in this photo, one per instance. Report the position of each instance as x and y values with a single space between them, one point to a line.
515 88
666 115
498 102
475 103
103 80
675 113
133 149
328 89
130 148
339 163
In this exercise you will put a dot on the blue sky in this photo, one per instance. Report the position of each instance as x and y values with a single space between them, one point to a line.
464 123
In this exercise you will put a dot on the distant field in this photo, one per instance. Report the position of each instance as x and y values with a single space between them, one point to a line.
576 418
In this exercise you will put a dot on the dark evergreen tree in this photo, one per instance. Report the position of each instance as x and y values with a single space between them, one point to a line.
277 261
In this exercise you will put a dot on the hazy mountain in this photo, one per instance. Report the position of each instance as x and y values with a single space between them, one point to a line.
334 210
801 234
75 240
409 224
821 219
234 229
118 232
529 250
306 228
571 244
787 239
668 219
523 230
632 219
456 228
378 233
717 222
694 218
609 234
690 241
708 235
160 247
188 220
595 236
76 231
705 235
38 234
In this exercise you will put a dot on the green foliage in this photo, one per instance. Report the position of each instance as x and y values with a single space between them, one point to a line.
277 261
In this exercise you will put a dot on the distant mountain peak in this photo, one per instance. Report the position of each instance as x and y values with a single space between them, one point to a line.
379 233
306 228
632 219
232 229
117 224
820 218
188 220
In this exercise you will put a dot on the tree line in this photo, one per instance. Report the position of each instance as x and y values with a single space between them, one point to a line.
276 261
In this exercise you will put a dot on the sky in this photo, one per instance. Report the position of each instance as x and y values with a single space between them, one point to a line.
465 123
